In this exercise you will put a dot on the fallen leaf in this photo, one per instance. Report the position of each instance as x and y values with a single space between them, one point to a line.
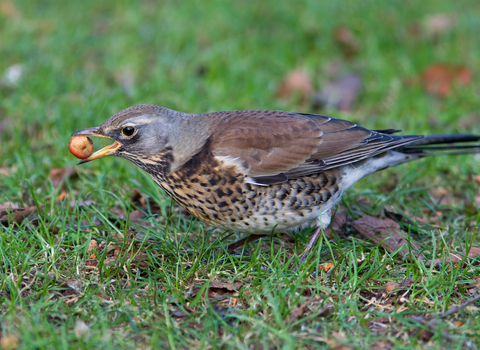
179 313
389 234
339 94
346 42
397 217
80 204
92 245
439 79
296 83
7 205
391 286
296 313
9 342
425 335
216 289
474 252
57 175
439 23
136 216
62 196
326 266
7 217
458 324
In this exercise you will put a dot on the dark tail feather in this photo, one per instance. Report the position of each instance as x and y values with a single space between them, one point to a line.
426 150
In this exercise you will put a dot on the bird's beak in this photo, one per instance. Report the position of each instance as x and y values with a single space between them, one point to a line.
106 151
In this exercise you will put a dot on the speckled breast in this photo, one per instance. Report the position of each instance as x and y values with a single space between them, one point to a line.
220 196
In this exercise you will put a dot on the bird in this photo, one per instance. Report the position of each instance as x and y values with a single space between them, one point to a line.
260 172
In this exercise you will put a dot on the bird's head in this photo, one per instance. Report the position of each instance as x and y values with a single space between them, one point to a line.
147 135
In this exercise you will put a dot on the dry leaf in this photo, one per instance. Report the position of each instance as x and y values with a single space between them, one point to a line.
346 42
7 205
389 234
296 83
215 289
439 79
92 245
326 266
339 94
8 217
454 258
62 196
296 313
9 342
136 216
391 286
397 217
57 175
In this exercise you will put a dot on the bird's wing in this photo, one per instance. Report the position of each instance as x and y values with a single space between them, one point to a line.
272 146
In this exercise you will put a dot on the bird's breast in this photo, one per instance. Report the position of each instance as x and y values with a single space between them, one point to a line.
221 196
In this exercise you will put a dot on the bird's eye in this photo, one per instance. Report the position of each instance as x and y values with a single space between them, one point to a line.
128 131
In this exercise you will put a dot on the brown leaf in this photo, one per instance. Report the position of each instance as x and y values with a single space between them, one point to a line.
339 94
62 196
7 205
92 246
296 313
391 286
326 266
179 313
136 216
346 42
388 233
9 342
215 289
439 78
57 175
397 217
7 217
425 335
296 83
454 258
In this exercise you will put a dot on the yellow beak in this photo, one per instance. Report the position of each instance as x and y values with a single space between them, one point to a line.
106 151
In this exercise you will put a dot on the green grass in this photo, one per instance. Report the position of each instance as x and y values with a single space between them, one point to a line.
83 61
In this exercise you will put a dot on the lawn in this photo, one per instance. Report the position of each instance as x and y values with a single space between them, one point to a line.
107 260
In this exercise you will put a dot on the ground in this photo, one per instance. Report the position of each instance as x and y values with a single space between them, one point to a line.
106 260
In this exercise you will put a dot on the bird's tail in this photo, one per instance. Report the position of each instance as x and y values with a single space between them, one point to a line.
448 144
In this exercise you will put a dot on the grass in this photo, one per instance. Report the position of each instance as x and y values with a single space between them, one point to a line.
163 284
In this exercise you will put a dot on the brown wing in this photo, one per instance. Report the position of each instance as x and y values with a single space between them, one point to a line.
268 143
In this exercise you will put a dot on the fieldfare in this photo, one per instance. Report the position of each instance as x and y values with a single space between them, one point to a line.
259 172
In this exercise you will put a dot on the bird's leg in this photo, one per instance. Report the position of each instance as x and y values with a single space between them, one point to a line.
323 222
311 244
231 247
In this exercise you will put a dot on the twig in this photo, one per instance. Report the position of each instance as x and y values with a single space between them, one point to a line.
457 308
432 324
